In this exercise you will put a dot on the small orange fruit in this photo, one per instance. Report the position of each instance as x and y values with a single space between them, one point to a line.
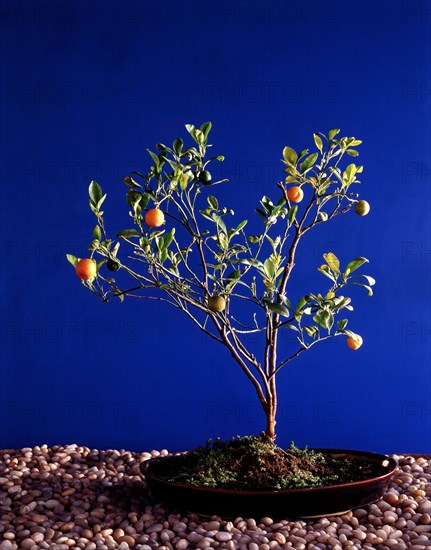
295 194
154 217
86 269
362 208
354 342
216 303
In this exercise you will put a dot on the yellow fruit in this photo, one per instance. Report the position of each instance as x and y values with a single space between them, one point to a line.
295 194
362 208
86 269
216 303
154 217
354 342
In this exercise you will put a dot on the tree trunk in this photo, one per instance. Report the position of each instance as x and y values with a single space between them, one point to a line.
270 420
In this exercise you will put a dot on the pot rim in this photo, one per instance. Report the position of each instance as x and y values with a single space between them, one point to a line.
392 464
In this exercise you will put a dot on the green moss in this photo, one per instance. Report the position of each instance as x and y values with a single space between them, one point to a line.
256 463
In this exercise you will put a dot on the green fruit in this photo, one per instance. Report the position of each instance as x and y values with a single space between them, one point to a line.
112 265
216 304
205 177
362 208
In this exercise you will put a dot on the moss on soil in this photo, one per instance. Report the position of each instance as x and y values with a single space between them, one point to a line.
256 463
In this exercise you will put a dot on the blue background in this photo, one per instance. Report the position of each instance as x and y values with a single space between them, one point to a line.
87 87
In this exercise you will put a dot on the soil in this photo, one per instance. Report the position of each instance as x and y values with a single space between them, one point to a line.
256 463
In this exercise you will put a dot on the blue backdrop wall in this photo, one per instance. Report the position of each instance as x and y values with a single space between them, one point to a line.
87 87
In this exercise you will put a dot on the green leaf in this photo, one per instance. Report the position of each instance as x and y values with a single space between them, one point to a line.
267 204
318 142
234 276
97 234
323 216
355 264
291 327
341 324
277 308
178 145
303 153
213 202
290 155
72 259
219 222
302 301
205 129
127 233
350 172
190 128
130 182
253 262
95 192
155 158
312 331
333 262
333 133
325 270
352 152
261 213
308 162
167 239
286 301
269 268
241 225
199 137
144 201
355 142
324 318
133 199
292 213
368 288
184 180
253 239
370 280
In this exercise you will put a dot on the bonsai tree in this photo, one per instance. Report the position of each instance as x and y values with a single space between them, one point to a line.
186 250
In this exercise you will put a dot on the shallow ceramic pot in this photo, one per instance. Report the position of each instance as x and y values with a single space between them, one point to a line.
312 502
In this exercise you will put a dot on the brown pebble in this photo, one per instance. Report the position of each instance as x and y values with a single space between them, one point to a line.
425 519
130 541
27 543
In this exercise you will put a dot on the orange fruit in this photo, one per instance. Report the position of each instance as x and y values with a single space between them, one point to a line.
86 269
354 342
295 194
362 208
216 303
154 217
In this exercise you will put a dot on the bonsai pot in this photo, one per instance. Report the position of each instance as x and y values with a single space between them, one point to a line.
305 502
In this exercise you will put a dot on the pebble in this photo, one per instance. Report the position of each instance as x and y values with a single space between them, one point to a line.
65 498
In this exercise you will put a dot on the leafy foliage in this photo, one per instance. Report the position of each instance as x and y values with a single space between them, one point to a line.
201 252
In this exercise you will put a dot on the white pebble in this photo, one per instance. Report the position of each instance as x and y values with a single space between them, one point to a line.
223 536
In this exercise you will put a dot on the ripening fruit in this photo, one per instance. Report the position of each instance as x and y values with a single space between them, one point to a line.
154 217
362 208
295 194
216 303
112 265
86 269
354 342
205 177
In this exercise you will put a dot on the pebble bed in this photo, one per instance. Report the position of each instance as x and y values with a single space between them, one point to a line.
69 497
